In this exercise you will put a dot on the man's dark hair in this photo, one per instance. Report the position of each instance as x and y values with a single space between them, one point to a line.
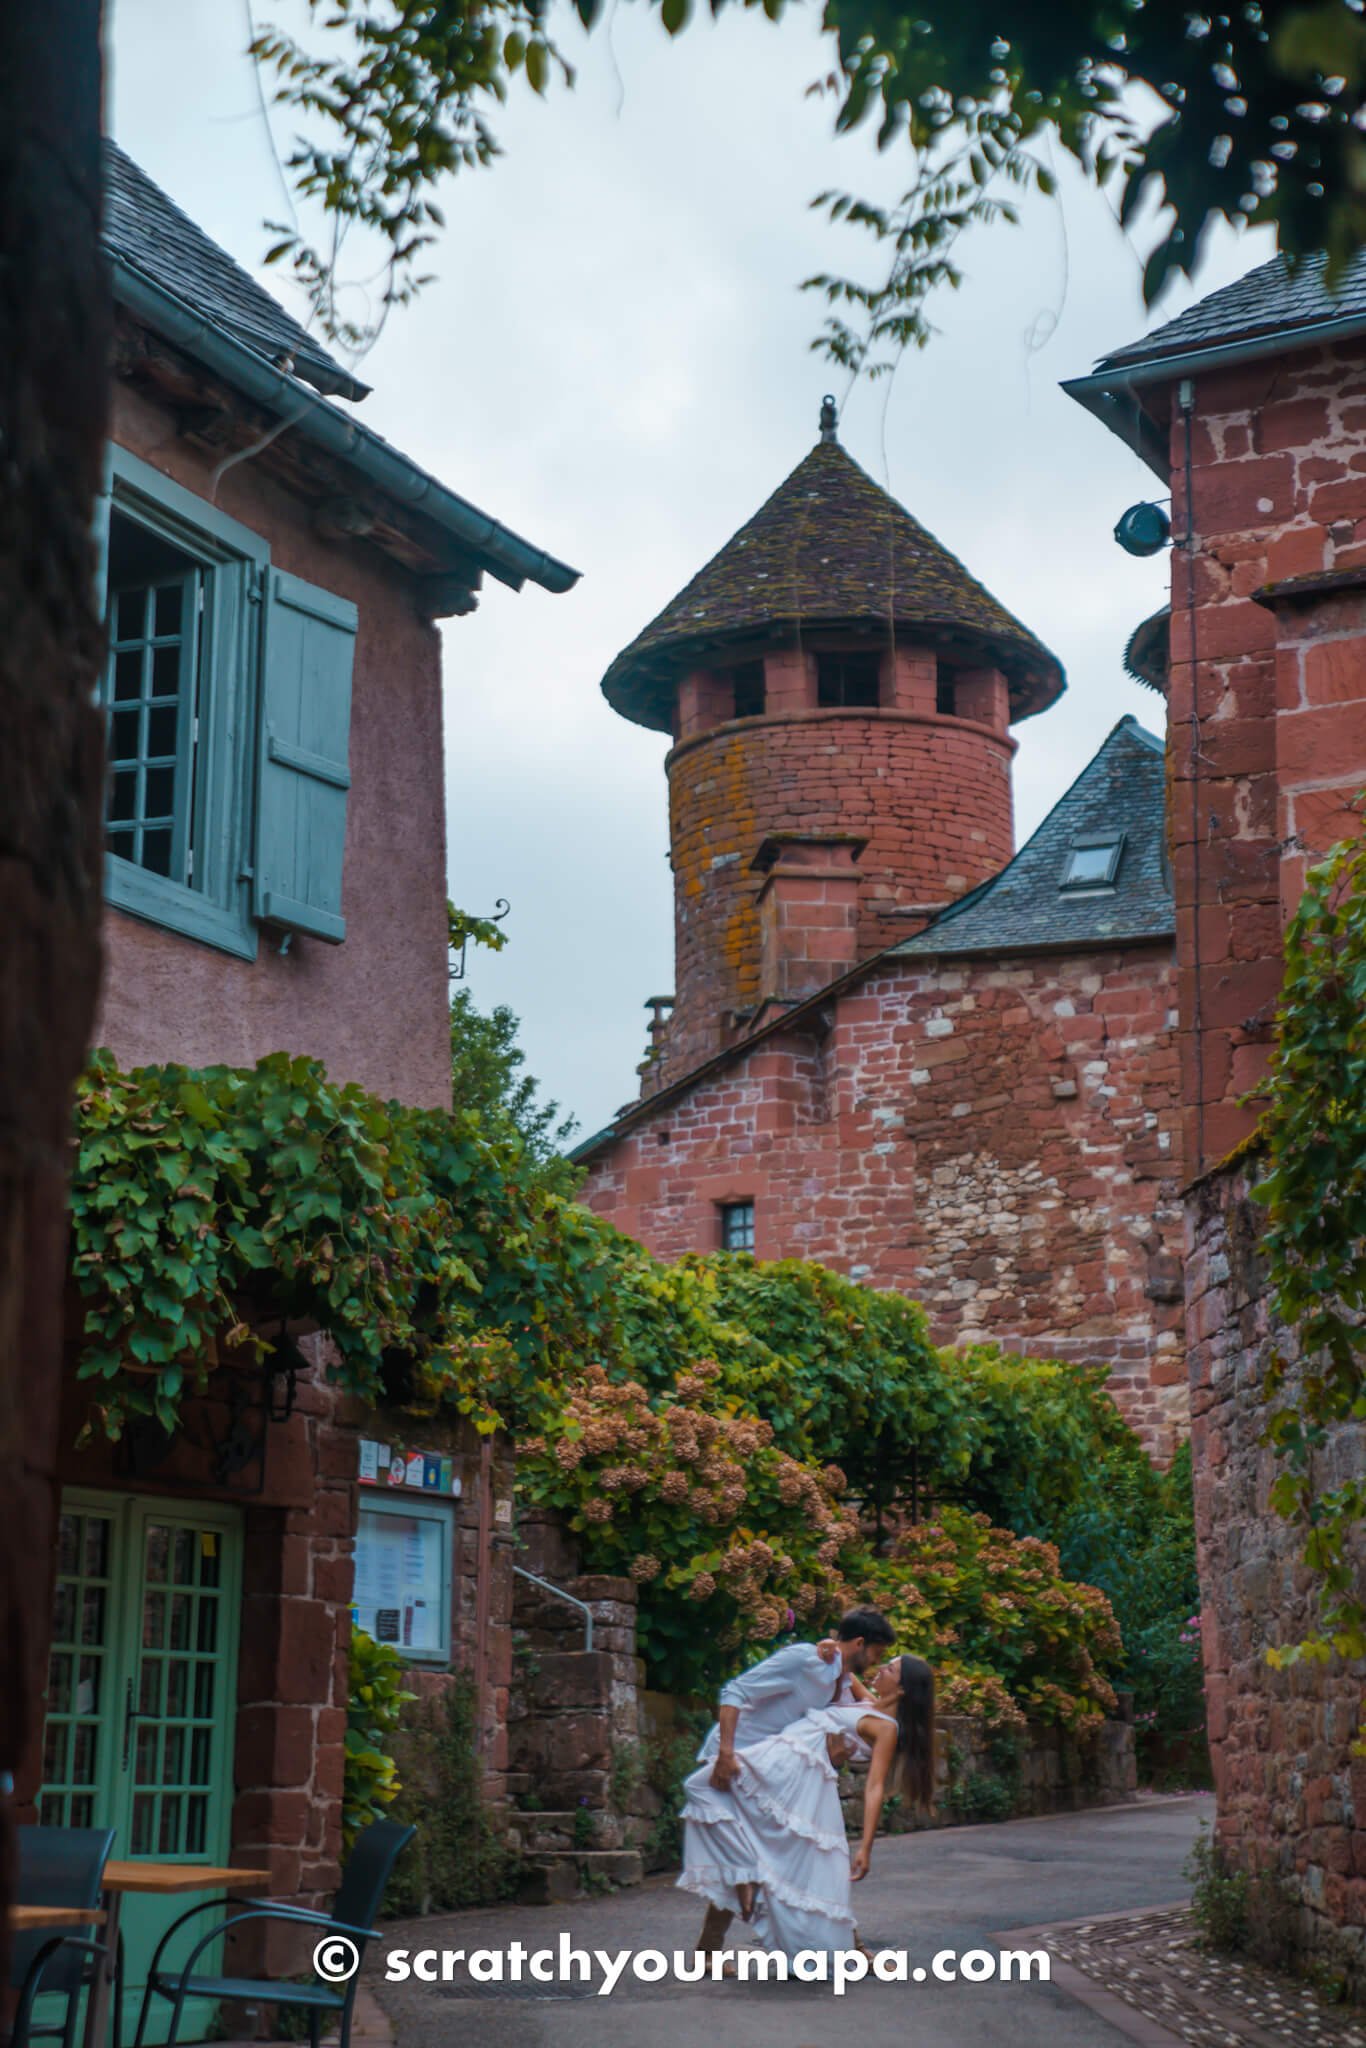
868 1623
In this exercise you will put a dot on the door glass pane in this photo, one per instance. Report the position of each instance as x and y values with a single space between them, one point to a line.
149 1686
177 1687
80 1647
146 1769
183 1568
196 1823
173 1756
154 1621
144 1821
180 1621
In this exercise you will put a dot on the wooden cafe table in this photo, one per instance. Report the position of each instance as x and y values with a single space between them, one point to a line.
37 1919
167 1880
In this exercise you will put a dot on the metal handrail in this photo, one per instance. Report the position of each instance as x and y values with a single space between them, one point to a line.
560 1594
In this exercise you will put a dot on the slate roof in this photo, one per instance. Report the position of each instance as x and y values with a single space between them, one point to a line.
1022 908
1271 299
829 548
1123 787
146 229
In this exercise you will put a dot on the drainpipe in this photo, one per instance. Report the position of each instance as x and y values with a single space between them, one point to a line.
483 1574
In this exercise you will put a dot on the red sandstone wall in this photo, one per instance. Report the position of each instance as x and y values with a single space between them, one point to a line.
1292 1797
1265 750
374 1008
999 1140
931 794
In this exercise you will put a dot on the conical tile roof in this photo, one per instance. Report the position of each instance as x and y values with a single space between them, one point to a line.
830 548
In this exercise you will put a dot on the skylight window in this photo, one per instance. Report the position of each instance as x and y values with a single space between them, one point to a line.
1093 861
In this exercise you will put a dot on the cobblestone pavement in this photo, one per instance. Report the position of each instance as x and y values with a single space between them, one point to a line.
950 1889
1151 1963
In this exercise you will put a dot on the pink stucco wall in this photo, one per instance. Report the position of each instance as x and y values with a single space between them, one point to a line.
374 1008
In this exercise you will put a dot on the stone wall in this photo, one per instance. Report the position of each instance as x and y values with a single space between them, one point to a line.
1268 693
1291 1794
979 1776
931 795
998 1139
571 1709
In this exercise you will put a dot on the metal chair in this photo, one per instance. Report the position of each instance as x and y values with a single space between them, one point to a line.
373 1855
57 1867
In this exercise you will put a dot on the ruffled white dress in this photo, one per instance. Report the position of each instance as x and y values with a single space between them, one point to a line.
779 1826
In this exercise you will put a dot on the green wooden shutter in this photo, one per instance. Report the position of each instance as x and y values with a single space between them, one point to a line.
305 743
99 530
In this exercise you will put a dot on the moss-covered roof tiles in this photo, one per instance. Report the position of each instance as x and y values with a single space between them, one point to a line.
830 549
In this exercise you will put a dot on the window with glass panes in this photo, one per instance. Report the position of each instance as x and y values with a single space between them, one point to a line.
177 1696
155 607
78 1672
737 1226
1093 861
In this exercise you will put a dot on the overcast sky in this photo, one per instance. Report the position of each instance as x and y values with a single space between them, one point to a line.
615 361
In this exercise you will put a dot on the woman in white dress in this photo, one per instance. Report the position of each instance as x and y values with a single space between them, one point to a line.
773 1846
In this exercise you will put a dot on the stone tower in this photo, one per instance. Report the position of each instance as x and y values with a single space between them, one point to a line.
840 693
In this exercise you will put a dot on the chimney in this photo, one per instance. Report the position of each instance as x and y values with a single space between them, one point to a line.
808 911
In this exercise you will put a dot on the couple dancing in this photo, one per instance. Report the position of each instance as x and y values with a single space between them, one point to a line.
763 1831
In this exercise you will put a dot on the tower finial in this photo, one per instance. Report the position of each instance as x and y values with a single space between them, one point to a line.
830 419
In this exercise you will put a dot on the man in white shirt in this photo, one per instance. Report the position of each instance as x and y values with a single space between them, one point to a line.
770 1696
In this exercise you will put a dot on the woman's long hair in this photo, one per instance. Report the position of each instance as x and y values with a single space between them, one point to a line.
915 1731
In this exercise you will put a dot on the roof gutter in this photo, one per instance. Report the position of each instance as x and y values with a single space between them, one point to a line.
1110 393
507 556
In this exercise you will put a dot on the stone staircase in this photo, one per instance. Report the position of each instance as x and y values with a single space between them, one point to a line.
580 1822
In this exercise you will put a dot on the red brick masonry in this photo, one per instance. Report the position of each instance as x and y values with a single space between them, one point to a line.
997 1138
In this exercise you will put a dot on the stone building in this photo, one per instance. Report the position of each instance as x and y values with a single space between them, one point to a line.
897 1046
275 880
1251 408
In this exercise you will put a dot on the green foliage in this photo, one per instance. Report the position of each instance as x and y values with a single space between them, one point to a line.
1258 123
1314 1190
981 1795
847 1376
457 1858
464 928
374 1712
1011 1639
206 1202
583 1829
1131 1533
671 1758
1219 1896
487 1078
728 1538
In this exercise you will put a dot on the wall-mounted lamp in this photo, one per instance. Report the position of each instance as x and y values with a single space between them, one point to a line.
1143 530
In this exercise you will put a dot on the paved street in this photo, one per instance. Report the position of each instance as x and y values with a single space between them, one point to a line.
955 1888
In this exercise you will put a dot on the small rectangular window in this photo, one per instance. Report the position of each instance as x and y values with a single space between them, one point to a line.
946 697
737 1226
1093 862
748 683
403 1577
847 681
149 693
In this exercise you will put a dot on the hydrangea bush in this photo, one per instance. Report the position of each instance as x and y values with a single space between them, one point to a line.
1010 1638
731 1541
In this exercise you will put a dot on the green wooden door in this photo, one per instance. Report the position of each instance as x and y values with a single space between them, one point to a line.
141 1695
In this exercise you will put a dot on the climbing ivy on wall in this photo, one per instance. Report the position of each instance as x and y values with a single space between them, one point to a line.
207 1203
1314 1189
